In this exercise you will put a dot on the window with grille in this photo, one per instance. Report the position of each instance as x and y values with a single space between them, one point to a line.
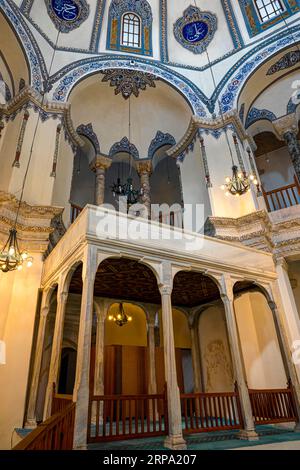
131 30
268 9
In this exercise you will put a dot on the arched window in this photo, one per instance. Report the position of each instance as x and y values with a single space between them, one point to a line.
130 27
268 9
131 30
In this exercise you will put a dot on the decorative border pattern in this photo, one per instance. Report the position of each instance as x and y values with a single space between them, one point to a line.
98 22
73 73
63 25
192 15
88 131
160 140
124 146
255 115
35 59
229 97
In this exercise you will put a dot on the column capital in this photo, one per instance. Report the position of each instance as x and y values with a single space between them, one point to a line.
144 167
286 125
165 289
100 162
226 291
281 262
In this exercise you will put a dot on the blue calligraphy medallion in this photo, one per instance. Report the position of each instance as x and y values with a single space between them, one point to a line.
66 10
196 29
67 14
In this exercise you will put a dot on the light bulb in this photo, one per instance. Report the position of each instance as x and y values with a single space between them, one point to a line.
20 267
252 177
110 317
11 251
227 193
24 255
255 182
223 187
227 179
29 264
240 176
129 318
119 316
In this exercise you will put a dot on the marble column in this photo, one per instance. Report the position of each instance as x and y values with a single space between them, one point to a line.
288 302
248 432
101 311
144 169
82 380
196 357
99 165
44 312
290 367
175 438
62 297
293 146
152 387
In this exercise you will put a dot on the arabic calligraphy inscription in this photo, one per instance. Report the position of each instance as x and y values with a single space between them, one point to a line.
67 14
196 29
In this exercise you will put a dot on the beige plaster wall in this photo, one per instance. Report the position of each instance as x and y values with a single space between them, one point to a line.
19 292
216 363
261 354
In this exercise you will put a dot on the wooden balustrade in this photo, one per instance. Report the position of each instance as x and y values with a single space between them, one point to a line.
273 406
75 211
284 197
56 433
119 417
203 412
60 402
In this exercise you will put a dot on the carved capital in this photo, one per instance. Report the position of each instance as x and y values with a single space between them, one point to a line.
165 290
286 124
100 162
143 167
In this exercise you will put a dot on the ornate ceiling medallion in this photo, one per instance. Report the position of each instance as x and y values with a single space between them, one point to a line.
196 29
128 82
67 14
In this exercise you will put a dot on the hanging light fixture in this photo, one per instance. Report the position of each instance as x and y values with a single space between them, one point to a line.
127 189
11 257
120 317
239 182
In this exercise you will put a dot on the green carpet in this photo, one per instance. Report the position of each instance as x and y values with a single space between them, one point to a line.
223 440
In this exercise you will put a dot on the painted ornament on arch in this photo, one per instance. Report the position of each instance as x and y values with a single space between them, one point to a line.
67 14
195 29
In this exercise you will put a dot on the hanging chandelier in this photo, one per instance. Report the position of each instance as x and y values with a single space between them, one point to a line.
11 258
239 183
120 317
127 189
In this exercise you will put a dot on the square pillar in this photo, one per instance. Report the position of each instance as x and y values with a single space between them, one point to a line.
81 387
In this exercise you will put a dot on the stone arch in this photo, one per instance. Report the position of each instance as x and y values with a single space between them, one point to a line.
28 44
230 88
68 77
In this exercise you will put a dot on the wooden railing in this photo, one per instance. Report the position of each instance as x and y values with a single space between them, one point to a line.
60 402
203 412
75 211
284 197
56 433
273 406
127 417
